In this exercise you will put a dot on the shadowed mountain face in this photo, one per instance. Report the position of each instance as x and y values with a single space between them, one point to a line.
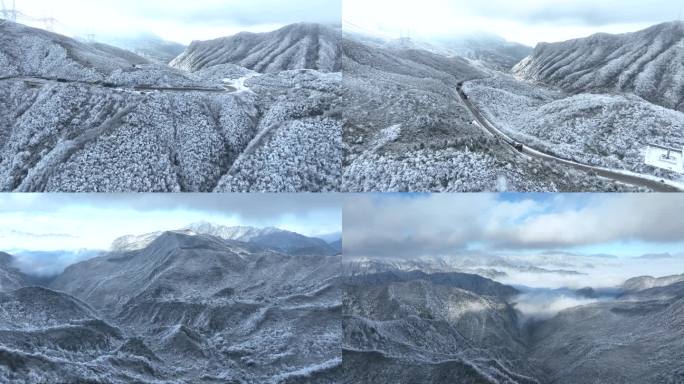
186 308
405 327
648 63
298 46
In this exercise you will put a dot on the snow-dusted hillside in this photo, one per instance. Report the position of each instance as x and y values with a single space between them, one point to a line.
648 63
608 130
186 308
405 129
79 118
297 46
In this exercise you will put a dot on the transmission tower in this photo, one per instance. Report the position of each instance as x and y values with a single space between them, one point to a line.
9 13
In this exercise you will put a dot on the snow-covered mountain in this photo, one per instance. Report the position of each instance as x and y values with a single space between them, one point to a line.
78 117
297 46
186 308
272 238
412 327
635 340
648 63
489 50
406 130
148 46
647 282
404 327
482 49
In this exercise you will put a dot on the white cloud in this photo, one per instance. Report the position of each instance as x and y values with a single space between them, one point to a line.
436 225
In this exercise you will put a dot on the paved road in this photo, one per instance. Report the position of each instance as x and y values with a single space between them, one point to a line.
140 88
527 151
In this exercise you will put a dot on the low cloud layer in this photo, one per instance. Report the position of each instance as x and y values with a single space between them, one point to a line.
434 225
524 21
545 305
47 264
178 20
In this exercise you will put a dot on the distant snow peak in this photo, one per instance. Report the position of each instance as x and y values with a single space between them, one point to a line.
272 238
239 233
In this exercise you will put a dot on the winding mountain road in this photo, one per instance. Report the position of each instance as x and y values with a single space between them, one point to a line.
139 88
632 179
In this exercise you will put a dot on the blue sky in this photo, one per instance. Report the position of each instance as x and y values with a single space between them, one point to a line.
417 225
49 222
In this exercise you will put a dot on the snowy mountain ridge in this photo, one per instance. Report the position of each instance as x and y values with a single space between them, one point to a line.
273 238
296 46
648 63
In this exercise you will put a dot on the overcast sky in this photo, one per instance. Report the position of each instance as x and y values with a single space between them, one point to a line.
524 21
47 222
179 20
442 225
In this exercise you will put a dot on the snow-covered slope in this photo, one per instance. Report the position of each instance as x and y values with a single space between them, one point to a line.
649 63
297 46
607 130
26 51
